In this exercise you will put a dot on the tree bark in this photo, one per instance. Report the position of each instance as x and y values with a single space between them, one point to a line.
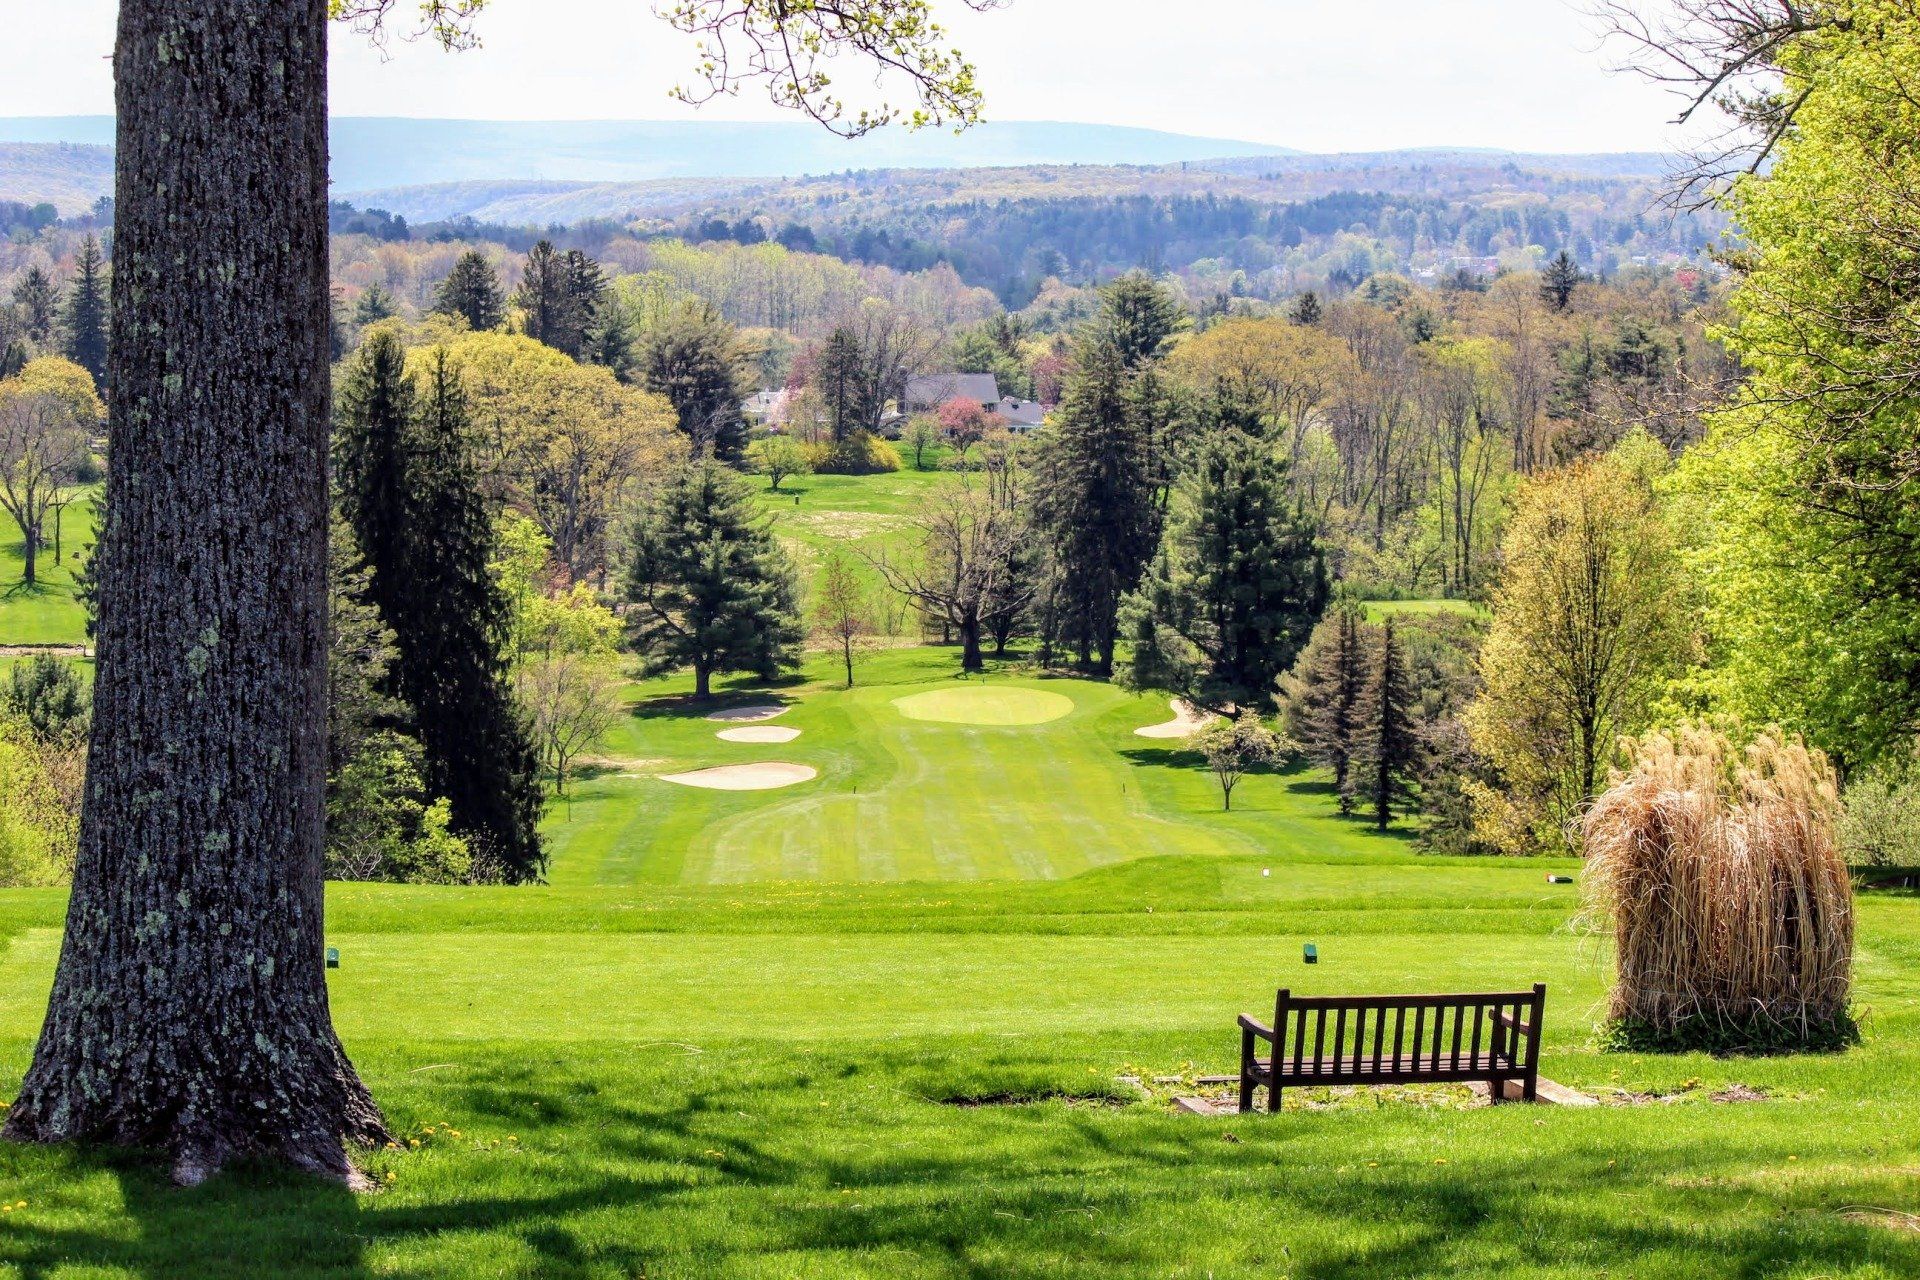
970 656
30 554
702 681
189 1010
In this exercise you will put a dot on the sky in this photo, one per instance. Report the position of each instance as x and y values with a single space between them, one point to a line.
1320 75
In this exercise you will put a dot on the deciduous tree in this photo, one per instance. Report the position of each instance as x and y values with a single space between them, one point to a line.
47 415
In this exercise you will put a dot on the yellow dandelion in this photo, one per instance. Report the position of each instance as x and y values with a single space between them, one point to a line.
389 1177
413 1143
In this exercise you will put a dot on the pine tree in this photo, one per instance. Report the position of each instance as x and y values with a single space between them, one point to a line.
472 291
86 314
408 487
1321 695
1239 581
1306 309
1095 504
1139 316
693 358
709 585
38 299
13 358
1385 771
1559 281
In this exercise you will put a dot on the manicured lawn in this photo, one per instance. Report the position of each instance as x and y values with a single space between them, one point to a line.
1379 610
873 1026
903 796
760 1081
856 515
47 613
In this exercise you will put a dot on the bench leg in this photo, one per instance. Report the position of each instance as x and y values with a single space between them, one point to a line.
1273 1099
1246 1071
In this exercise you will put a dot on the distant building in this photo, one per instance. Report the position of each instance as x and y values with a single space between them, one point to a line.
1018 415
930 391
767 408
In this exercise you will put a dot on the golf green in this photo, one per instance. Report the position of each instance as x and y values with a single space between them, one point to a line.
1004 706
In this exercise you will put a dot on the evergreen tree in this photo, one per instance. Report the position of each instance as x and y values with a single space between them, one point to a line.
709 585
1386 761
1139 316
38 300
1239 581
550 308
1321 695
840 376
1559 281
472 291
1306 309
693 358
1095 504
408 487
375 305
86 314
13 358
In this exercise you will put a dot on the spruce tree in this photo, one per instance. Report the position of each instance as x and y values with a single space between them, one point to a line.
38 300
1095 502
1139 316
472 291
1560 280
693 358
1239 581
1321 695
409 488
375 305
86 314
1306 309
549 312
840 376
710 587
1386 761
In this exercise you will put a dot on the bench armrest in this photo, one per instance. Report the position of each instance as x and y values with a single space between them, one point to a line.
1248 1024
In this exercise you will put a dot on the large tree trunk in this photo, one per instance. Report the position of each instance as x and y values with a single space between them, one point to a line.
971 658
189 1011
30 554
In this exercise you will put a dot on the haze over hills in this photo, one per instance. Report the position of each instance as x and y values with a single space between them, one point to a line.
373 152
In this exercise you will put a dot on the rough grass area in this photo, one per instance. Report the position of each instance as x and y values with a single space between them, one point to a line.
46 613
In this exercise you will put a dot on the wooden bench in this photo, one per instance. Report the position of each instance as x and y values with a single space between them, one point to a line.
1375 1040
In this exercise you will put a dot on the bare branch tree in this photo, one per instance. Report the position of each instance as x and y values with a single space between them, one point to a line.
1724 56
967 568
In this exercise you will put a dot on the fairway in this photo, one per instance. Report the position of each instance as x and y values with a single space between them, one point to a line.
1006 706
1020 778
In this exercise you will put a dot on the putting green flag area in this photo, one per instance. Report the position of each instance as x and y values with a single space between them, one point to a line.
921 1006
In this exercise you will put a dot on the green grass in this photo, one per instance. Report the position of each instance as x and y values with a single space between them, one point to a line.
903 798
1380 610
855 515
46 613
730 1040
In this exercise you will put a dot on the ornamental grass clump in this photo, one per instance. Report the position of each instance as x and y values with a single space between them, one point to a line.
1719 878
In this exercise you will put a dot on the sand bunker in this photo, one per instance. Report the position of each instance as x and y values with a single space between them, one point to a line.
745 777
1186 722
747 715
1000 706
759 733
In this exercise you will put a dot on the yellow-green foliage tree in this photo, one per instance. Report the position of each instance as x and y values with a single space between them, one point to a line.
1590 623
1808 492
566 443
48 412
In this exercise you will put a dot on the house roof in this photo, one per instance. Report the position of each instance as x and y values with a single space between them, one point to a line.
1021 413
930 391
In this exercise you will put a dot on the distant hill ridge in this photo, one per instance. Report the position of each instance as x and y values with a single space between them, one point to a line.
539 170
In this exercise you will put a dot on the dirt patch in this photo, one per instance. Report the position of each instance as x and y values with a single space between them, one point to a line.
1689 1092
55 650
747 715
759 733
1890 1219
970 1101
767 776
1185 723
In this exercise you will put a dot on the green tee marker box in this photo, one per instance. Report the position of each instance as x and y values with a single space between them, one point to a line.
333 957
1310 954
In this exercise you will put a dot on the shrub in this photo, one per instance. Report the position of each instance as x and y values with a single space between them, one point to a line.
860 454
39 807
49 697
1880 826
381 824
1731 910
